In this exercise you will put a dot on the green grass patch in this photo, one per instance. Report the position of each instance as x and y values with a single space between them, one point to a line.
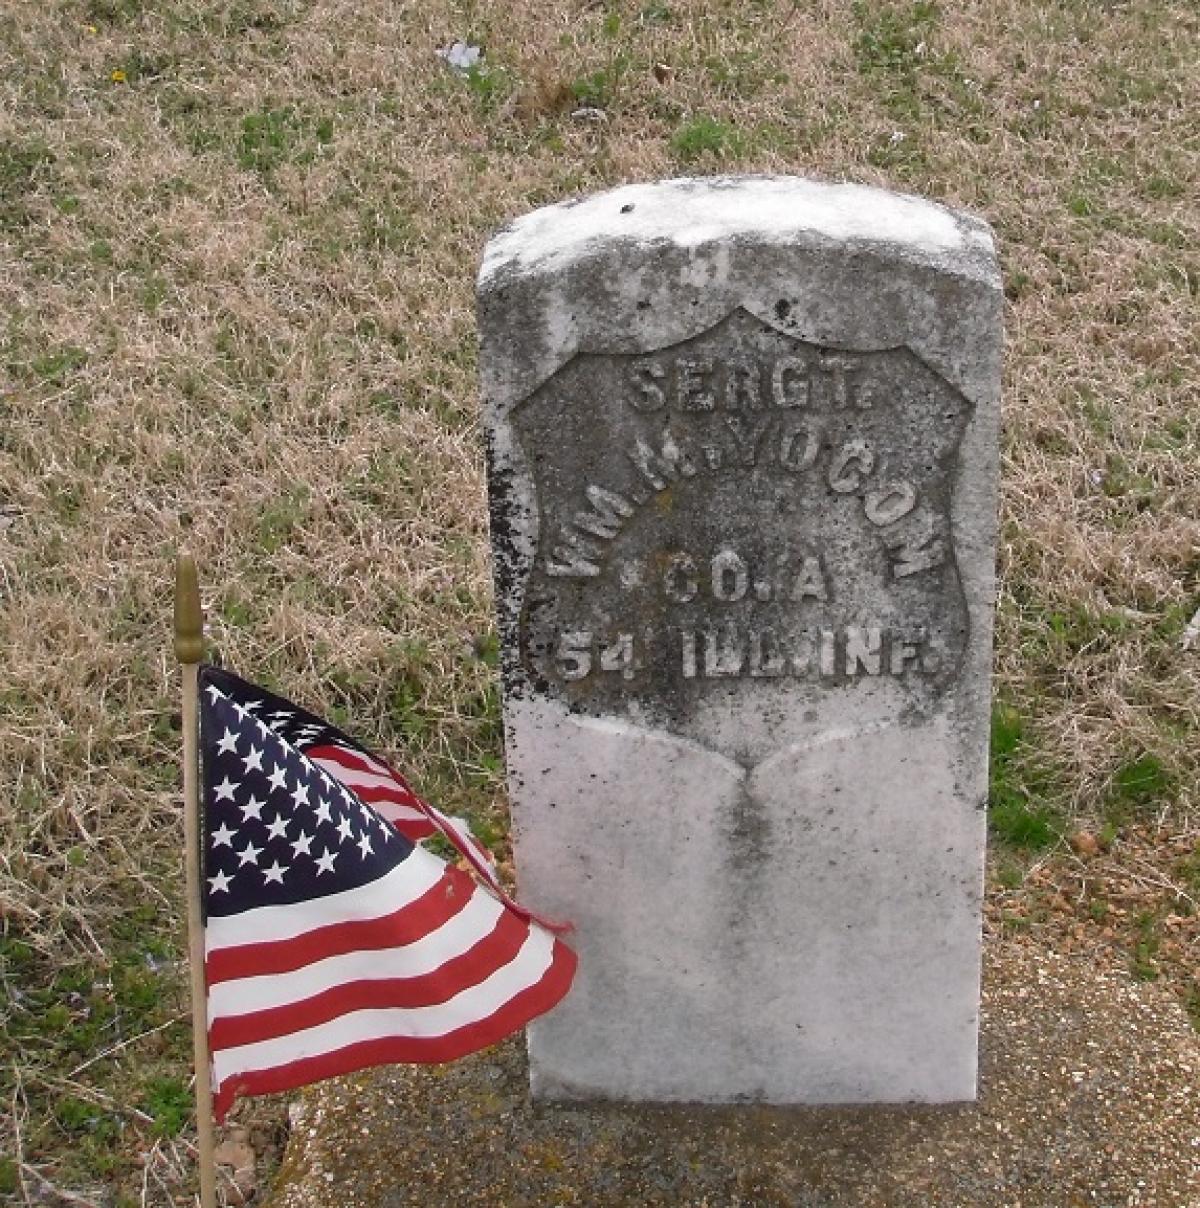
279 520
895 51
168 1101
1020 802
892 38
22 167
598 89
1188 871
62 1014
1010 870
489 84
57 364
1140 786
703 137
1191 1004
271 137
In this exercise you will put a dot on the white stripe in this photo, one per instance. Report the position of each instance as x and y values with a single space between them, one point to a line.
471 1006
475 922
379 766
363 780
419 872
378 776
392 812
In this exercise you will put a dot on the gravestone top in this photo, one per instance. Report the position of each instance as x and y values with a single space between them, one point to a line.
742 438
763 208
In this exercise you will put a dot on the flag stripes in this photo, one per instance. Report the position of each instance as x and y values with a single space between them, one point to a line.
450 936
374 1038
373 783
389 795
257 1076
331 941
330 924
369 989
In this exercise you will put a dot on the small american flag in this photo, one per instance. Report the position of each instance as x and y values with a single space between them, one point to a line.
333 941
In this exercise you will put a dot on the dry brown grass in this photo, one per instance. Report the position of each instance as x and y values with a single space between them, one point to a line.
236 311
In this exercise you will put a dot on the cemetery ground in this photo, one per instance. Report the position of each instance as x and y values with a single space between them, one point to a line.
240 241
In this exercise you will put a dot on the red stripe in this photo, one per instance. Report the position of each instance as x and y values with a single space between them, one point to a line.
471 850
405 926
350 757
350 761
515 1014
386 792
470 968
380 792
371 794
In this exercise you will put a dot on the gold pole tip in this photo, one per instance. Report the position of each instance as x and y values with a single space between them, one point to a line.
189 618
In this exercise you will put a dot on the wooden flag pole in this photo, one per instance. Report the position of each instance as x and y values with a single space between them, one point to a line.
189 650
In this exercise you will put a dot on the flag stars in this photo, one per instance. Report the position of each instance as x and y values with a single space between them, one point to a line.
224 790
252 808
274 874
250 854
220 883
285 815
301 844
223 836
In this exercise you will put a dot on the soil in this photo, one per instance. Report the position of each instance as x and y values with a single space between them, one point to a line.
1088 1096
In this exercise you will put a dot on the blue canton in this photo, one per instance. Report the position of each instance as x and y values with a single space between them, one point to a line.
278 828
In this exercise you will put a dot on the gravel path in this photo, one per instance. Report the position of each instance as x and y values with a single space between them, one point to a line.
1090 1095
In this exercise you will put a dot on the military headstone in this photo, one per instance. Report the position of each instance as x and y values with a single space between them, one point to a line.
743 456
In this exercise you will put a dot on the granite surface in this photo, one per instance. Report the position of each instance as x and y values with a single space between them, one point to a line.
743 440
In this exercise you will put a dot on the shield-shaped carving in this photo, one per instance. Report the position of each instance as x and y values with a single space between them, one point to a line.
743 539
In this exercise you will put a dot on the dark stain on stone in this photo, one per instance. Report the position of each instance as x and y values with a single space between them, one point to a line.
749 834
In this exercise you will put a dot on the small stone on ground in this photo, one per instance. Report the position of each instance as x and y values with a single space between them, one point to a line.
1089 1095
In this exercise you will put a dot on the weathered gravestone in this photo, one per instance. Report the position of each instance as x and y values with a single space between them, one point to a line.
743 447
